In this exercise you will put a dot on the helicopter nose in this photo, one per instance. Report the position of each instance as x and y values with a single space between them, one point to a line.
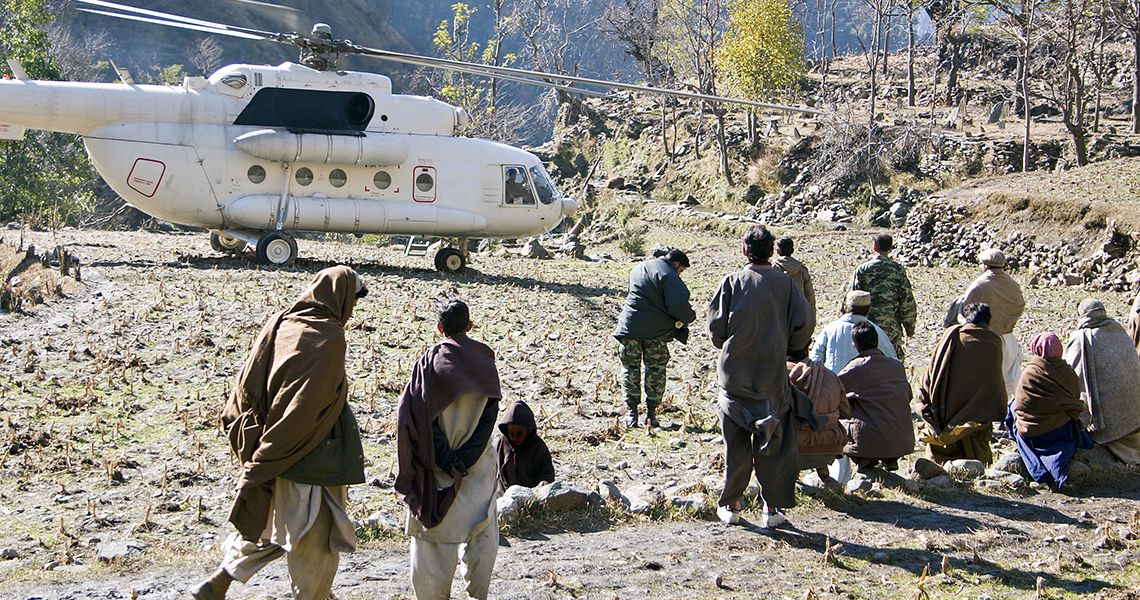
569 207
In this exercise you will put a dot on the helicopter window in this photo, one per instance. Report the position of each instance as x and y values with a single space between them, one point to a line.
304 176
256 174
424 182
382 180
516 187
547 193
308 110
337 178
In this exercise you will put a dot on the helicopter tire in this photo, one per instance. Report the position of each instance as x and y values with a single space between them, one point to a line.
276 248
450 260
221 242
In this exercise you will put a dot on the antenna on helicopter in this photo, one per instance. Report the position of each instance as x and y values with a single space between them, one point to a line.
321 51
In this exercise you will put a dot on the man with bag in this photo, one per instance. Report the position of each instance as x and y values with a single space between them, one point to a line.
289 423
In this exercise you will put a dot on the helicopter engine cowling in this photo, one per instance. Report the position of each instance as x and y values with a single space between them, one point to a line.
371 150
354 215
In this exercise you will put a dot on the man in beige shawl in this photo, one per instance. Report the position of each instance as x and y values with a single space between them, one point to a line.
290 425
1003 295
1108 367
448 470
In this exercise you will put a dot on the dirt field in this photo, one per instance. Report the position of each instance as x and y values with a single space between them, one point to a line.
109 400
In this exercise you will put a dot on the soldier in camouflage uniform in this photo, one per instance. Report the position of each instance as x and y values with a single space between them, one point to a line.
656 311
892 301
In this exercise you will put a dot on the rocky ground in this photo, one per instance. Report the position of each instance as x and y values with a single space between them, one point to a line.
115 480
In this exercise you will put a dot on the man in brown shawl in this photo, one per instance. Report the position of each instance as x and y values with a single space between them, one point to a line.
289 423
524 459
753 317
995 288
447 468
818 448
1102 354
880 425
963 391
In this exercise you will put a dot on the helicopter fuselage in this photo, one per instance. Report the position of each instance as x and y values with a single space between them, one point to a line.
259 148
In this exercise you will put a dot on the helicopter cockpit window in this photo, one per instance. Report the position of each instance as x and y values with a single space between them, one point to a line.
304 176
382 180
308 110
547 193
337 178
256 174
516 187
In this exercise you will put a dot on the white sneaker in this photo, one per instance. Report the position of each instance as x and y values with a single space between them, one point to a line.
727 515
772 520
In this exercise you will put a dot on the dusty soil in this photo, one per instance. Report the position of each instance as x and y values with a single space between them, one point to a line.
109 399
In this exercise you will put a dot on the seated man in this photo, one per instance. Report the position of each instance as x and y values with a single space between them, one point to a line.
524 458
1102 353
818 448
833 345
880 425
446 475
1044 418
963 391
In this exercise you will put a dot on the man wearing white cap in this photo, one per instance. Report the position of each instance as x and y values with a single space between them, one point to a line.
834 346
1003 294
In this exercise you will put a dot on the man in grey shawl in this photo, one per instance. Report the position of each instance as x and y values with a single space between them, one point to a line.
1102 354
753 318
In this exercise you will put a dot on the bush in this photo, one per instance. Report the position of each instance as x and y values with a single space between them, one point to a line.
632 241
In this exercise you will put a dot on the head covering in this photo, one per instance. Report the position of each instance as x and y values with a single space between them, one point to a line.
857 298
993 258
1046 345
1089 306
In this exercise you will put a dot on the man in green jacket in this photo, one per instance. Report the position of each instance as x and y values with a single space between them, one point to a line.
892 301
656 311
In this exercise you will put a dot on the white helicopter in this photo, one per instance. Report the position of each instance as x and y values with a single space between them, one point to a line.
256 152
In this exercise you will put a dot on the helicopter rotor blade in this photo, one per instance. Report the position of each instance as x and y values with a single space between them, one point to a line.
177 24
284 15
538 77
173 20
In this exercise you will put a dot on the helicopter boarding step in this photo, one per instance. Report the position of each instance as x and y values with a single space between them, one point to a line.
418 246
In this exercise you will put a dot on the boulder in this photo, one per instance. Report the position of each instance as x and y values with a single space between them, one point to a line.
859 483
513 501
642 498
609 491
534 249
1010 462
615 183
1097 459
117 549
1078 470
559 496
692 502
927 469
966 468
942 481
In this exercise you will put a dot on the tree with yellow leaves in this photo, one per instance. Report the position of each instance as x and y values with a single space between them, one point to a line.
763 50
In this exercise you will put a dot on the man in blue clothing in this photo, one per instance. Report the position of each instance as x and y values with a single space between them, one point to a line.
656 311
834 346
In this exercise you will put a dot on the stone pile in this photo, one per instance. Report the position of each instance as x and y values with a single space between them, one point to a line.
939 234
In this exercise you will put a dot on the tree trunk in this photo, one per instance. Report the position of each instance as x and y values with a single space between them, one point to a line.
874 71
1135 81
886 44
723 145
910 92
952 74
1027 31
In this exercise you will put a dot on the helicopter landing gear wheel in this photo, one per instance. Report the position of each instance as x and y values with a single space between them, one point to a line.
450 260
221 242
276 248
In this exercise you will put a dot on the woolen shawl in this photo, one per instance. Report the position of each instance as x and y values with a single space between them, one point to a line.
1047 396
296 374
964 381
456 366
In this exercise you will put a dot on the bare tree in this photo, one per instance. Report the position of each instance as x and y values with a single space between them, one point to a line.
1127 16
550 31
206 55
636 24
1068 68
1020 20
